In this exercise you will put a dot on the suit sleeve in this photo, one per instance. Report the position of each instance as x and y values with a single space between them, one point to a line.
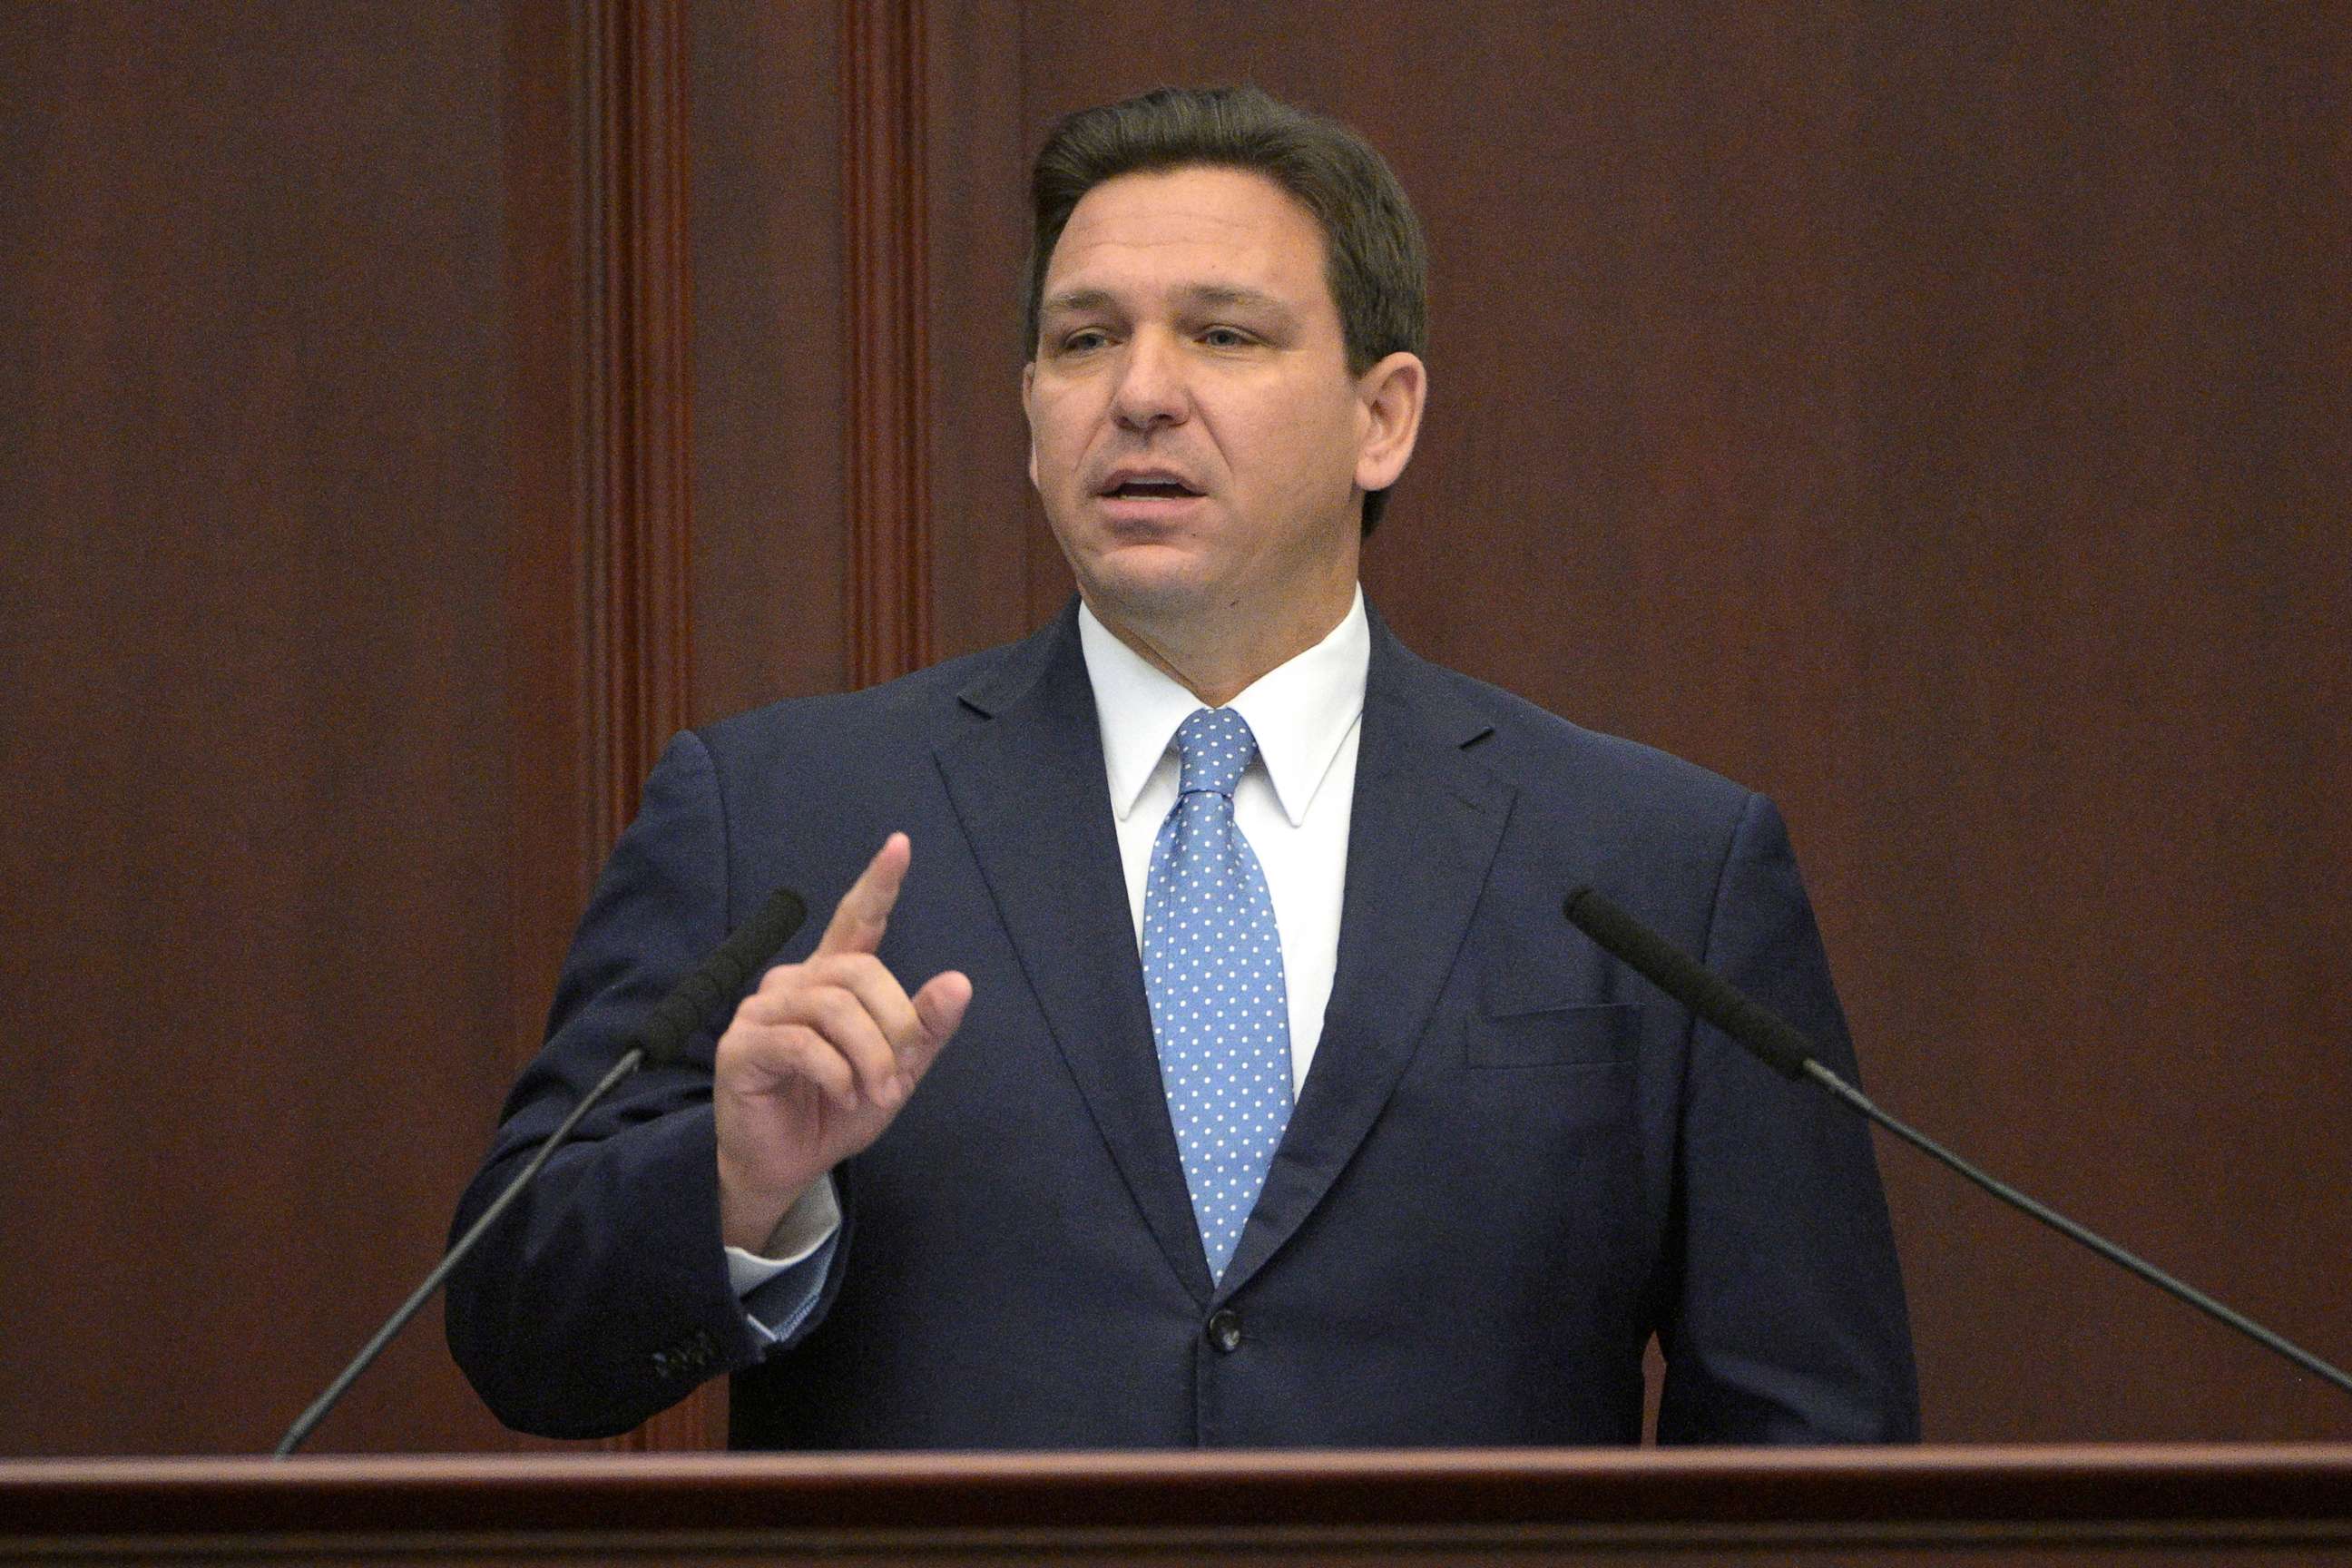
1784 1319
604 1296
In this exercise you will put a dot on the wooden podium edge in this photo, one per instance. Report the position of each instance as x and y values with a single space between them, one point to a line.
1457 1501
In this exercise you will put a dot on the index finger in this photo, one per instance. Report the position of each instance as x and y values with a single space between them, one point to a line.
864 911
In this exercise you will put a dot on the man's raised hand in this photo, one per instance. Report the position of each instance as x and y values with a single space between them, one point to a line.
821 1056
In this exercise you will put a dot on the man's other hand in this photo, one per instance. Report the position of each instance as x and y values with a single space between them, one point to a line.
818 1059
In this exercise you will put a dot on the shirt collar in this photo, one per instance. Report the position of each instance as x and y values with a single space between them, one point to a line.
1300 710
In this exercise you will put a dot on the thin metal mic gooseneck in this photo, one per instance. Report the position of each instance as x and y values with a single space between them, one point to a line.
1787 1050
663 1034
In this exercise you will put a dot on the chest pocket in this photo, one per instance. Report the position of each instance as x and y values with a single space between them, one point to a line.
1601 1035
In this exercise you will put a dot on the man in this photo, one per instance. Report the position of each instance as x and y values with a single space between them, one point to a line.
1202 1058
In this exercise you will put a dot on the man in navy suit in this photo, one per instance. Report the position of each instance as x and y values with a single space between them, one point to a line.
957 1173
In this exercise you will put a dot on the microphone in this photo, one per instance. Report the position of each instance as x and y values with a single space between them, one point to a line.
1785 1049
1767 1033
701 993
657 1043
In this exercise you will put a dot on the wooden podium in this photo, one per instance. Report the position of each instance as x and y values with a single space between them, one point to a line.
2114 1506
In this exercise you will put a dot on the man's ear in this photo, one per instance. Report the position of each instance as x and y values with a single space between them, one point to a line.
1388 397
1028 389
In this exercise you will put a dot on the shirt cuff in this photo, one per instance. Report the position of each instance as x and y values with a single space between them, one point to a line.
806 1225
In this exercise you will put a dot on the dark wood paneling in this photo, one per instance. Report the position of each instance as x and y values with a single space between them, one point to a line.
770 584
559 821
822 355
997 573
352 568
255 729
638 520
2096 593
886 323
637 524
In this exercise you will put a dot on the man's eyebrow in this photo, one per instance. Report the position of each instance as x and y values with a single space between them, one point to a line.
1076 302
1220 294
1212 295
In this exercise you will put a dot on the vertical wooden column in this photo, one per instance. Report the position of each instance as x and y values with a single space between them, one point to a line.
885 321
635 506
636 509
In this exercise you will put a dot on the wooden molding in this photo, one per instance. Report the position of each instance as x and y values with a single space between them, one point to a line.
887 365
636 508
553 827
2115 1506
637 409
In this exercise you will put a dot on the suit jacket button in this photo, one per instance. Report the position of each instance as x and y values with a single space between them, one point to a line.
1226 1330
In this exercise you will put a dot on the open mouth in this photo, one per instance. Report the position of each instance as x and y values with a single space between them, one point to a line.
1152 490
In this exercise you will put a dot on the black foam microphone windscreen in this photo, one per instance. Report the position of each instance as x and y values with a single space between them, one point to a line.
1779 1043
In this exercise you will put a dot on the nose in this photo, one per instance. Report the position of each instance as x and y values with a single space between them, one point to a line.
1150 390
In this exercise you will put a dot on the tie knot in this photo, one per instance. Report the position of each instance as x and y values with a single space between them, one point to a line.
1216 746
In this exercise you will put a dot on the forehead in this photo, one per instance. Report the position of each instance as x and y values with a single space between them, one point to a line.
1190 228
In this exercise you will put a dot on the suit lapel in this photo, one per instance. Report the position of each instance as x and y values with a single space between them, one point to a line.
1029 790
1426 822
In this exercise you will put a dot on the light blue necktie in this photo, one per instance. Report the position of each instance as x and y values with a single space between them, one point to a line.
1213 969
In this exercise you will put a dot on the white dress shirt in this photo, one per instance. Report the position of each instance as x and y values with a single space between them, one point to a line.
1293 804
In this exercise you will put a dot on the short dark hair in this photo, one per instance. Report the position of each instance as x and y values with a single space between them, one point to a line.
1374 256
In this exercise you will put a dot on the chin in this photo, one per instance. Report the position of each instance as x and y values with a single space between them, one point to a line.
1145 590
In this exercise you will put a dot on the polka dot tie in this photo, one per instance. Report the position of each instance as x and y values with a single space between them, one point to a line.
1213 969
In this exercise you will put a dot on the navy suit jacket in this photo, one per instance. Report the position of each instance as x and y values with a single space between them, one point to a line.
1512 1162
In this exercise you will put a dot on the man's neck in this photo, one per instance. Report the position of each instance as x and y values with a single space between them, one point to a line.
1217 667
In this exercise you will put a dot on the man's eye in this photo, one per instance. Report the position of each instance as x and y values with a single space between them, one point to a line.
1079 342
1226 338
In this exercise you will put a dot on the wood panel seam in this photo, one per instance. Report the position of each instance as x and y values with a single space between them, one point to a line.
886 326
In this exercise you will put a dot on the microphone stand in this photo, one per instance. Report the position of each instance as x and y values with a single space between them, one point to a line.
1786 1049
